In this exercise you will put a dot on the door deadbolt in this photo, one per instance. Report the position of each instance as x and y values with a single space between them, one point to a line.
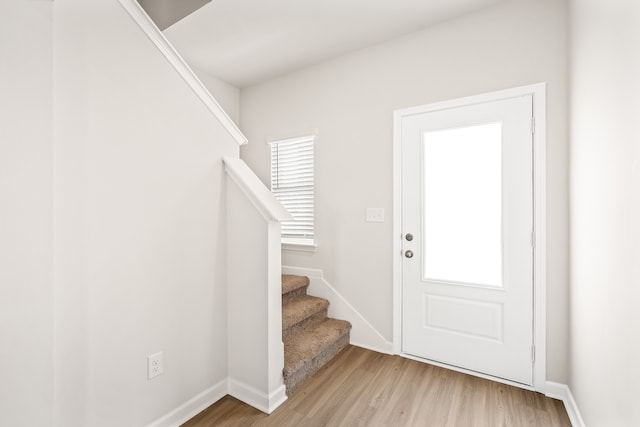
409 237
408 254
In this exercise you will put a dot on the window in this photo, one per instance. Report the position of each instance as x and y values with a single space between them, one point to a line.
462 204
292 184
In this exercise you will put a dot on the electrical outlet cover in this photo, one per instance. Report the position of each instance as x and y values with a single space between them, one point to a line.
154 365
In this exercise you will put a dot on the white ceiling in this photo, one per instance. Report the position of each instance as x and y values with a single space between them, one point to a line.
244 42
167 12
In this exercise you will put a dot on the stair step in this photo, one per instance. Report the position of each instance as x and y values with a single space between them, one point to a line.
309 348
293 286
302 311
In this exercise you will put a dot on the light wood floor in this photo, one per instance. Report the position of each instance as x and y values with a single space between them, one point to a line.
364 388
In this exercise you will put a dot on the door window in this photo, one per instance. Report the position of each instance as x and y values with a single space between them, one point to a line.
462 204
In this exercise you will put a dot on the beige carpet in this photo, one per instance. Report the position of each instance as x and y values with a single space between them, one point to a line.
311 339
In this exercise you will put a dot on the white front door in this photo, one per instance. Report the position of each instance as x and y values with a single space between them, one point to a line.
467 220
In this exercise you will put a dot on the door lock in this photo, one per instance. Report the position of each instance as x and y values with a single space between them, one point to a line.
409 237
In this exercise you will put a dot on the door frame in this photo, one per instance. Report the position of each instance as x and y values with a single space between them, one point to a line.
538 93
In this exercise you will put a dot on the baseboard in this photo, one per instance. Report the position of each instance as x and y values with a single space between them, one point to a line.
363 334
240 391
563 392
192 407
255 398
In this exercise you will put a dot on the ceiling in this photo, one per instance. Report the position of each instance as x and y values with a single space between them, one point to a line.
167 12
244 42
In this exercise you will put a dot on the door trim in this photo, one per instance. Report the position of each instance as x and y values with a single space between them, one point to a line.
538 93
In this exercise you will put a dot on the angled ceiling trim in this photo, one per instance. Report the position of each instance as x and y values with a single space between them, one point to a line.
143 20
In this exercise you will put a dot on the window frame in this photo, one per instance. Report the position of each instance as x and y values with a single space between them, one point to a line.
294 243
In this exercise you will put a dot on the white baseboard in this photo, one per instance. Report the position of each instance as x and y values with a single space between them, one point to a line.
193 406
255 398
563 392
363 334
240 391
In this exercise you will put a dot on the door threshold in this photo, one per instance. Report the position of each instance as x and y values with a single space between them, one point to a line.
470 372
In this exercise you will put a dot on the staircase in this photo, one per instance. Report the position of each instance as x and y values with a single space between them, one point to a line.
311 339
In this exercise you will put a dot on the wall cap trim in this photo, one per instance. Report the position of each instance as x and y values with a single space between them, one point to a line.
258 194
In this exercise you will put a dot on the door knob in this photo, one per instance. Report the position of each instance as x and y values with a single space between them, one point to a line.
408 254
409 237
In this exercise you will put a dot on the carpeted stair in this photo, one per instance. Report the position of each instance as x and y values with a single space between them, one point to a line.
310 338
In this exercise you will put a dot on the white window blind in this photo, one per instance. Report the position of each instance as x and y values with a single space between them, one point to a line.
292 184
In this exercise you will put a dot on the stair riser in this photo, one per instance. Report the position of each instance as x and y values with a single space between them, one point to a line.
309 321
291 282
297 310
296 379
294 294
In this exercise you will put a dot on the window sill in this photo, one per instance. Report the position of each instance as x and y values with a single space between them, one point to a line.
298 246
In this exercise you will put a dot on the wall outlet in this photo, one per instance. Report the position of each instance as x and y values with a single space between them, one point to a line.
375 214
154 365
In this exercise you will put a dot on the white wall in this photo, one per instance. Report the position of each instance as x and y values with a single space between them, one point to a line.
139 224
228 96
350 100
605 211
26 227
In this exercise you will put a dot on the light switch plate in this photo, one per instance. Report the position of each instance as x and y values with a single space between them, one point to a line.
375 214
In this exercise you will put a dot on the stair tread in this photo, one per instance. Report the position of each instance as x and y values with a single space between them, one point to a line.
301 308
291 282
305 344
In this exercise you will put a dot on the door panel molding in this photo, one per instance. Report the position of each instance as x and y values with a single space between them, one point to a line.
538 93
440 307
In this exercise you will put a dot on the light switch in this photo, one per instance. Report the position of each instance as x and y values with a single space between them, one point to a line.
375 214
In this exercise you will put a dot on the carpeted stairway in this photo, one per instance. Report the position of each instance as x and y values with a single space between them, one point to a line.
310 338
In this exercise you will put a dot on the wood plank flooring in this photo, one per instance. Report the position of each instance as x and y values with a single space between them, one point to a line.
364 388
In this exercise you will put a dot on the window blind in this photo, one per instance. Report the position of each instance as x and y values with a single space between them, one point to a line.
292 185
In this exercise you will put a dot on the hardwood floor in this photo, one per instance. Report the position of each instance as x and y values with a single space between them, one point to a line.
364 388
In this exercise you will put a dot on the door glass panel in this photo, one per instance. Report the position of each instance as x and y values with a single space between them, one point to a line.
462 205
